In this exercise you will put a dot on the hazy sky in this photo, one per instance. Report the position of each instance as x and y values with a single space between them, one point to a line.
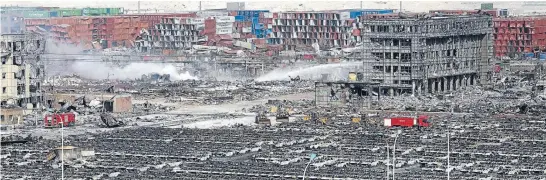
180 6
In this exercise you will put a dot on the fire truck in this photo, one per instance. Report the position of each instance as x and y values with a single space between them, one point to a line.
419 121
59 120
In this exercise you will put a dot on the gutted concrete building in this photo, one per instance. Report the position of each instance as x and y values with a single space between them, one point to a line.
421 55
22 69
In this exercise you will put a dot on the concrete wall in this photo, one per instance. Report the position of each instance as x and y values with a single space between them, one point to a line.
123 104
55 98
10 116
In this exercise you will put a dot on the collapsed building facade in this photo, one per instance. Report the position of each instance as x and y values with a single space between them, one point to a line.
22 69
426 54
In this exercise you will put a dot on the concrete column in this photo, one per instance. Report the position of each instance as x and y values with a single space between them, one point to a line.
413 88
391 92
425 83
449 83
436 86
454 84
459 81
443 84
420 88
439 87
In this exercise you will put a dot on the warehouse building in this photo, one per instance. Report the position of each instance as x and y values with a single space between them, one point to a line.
426 54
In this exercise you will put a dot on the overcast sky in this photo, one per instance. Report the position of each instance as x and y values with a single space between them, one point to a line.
180 6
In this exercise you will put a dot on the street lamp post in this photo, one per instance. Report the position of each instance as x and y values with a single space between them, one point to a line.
388 158
394 152
313 156
448 134
62 150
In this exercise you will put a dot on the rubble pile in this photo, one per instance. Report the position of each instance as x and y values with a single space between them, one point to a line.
494 132
470 100
150 108
194 92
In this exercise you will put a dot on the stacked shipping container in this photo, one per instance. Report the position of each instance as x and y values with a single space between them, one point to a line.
492 12
293 29
224 24
113 31
153 19
46 12
264 26
261 21
210 27
519 35
328 29
173 33
242 29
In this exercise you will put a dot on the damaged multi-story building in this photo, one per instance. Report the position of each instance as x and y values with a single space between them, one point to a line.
22 69
423 54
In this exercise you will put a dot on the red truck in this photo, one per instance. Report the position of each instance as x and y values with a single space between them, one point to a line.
59 120
420 121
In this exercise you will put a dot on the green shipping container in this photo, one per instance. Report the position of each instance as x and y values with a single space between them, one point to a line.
487 6
114 11
36 14
69 12
94 11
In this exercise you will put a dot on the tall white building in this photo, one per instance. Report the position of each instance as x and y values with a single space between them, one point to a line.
21 69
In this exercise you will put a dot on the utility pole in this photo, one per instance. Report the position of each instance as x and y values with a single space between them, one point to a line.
400 6
62 150
448 152
200 6
388 158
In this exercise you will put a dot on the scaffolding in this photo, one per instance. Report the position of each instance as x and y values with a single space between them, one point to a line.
426 55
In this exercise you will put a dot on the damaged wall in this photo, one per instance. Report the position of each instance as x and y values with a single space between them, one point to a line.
112 102
11 116
22 69
121 103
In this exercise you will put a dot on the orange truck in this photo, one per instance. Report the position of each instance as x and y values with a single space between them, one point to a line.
419 121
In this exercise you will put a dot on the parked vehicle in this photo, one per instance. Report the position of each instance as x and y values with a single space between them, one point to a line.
420 121
57 120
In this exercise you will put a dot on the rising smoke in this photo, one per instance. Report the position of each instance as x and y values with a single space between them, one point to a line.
68 59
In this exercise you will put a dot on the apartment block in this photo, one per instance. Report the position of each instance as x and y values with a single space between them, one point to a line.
22 70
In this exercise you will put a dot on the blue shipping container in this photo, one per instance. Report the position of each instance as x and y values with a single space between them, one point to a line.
53 14
529 55
258 26
386 11
255 20
354 14
542 56
239 18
